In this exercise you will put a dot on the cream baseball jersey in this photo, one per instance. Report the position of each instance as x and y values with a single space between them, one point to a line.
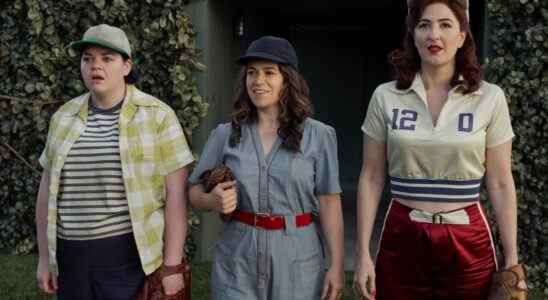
443 161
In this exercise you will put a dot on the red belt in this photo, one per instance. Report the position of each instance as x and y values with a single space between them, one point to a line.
267 221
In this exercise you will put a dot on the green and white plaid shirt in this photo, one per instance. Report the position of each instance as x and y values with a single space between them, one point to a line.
152 145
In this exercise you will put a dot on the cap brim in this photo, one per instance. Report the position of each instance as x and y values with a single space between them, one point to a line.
242 60
80 45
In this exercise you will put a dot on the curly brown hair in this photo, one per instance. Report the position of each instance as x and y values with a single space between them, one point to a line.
295 107
406 62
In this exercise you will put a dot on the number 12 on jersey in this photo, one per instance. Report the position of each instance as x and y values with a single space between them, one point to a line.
404 122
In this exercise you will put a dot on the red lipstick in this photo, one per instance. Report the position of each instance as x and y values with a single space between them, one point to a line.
434 49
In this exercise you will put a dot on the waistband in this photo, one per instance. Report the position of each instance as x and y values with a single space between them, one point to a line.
470 214
104 252
457 217
435 190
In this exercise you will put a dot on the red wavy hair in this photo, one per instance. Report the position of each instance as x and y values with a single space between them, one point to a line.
406 62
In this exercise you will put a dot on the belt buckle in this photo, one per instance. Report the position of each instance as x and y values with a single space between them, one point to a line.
259 215
437 218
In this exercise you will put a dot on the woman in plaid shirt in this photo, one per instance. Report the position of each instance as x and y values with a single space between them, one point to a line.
111 206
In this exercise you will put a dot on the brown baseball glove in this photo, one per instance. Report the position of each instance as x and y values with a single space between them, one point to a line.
505 284
211 178
152 288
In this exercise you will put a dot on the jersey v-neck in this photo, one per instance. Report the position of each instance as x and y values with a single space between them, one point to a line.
262 156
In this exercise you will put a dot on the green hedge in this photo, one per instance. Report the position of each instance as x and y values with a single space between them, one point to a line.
518 63
38 73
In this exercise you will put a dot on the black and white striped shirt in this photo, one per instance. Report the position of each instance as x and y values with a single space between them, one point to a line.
92 201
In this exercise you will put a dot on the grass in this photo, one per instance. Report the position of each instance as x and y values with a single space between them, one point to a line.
17 280
18 277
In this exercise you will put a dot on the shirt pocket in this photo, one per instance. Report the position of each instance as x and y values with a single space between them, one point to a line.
303 167
143 145
140 153
303 172
144 159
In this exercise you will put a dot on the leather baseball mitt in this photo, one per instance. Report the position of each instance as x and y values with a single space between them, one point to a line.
504 285
152 288
210 178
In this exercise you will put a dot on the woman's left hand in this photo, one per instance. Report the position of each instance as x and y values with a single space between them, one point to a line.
173 284
510 263
333 284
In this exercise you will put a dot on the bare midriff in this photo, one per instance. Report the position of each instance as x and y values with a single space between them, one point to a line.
434 207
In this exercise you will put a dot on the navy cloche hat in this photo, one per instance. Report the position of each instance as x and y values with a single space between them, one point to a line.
272 48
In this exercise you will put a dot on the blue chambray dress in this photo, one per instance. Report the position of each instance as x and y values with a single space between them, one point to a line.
251 263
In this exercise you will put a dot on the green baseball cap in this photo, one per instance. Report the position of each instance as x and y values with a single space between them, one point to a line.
105 36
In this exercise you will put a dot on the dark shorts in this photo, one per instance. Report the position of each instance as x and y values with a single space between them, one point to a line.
424 260
101 269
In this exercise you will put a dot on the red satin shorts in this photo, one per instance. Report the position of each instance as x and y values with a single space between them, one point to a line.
423 259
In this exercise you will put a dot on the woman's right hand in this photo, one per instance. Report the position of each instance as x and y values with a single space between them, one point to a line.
224 197
364 278
47 282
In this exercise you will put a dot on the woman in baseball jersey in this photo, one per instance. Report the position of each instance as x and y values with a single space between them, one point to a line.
442 130
286 169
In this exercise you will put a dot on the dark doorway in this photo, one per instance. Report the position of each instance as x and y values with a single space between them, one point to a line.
342 51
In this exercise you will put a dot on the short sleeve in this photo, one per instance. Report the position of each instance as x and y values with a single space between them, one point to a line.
47 155
499 129
327 164
212 153
374 124
172 144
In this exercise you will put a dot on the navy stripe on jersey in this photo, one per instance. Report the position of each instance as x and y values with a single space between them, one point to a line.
92 200
441 190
